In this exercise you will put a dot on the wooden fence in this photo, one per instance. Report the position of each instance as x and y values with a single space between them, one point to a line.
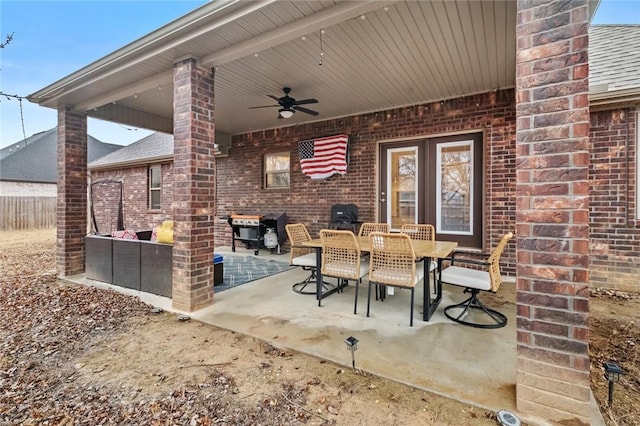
18 213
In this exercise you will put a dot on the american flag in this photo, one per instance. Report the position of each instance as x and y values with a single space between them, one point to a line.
321 158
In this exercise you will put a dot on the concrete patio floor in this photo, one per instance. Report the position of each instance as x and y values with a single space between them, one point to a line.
471 365
468 364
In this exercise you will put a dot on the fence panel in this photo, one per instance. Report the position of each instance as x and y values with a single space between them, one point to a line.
18 213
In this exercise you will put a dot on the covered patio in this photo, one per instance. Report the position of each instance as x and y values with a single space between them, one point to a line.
514 72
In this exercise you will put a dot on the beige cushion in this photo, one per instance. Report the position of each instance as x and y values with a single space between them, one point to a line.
466 277
387 275
305 260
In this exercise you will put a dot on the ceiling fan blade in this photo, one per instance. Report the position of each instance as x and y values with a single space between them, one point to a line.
305 110
274 98
264 106
306 101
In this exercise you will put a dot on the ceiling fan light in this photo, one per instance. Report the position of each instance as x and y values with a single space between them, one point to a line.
286 112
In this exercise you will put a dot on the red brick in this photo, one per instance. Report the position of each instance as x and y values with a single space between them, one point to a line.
72 191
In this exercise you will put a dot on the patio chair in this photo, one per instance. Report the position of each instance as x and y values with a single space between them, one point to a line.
393 264
422 231
369 227
419 231
478 275
303 257
341 259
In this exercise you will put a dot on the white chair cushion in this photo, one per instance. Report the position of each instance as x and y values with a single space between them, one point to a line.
305 260
432 266
420 271
466 277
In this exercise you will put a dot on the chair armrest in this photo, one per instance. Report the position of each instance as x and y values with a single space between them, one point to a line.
453 260
476 254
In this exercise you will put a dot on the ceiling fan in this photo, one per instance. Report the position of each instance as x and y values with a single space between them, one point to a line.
288 105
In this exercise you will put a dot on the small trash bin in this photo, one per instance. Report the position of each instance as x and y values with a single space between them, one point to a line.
218 269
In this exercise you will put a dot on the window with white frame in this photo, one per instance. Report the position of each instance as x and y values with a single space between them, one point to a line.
155 186
276 170
454 186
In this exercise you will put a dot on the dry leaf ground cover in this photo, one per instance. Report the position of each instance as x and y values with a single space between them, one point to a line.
78 355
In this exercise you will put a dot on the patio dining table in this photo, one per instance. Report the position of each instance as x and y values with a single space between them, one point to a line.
427 250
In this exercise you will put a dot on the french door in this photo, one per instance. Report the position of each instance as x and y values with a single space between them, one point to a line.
436 181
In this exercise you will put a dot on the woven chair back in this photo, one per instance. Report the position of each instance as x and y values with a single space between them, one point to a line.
340 254
297 233
369 227
392 260
494 262
419 231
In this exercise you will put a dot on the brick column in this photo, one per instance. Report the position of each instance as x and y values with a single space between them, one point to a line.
194 186
552 209
71 215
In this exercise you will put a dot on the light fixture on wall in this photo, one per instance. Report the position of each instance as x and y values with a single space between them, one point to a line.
286 112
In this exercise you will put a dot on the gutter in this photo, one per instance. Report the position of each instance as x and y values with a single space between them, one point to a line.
600 98
137 162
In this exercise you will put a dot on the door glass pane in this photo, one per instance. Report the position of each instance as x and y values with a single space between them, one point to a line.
454 172
402 186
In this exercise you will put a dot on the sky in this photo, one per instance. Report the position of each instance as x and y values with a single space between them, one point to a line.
52 39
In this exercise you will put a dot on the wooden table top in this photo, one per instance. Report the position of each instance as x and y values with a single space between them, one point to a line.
434 249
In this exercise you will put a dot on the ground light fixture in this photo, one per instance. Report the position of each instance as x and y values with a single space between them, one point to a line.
612 372
507 418
352 345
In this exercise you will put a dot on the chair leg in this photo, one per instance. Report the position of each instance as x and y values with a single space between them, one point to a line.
355 303
369 297
499 320
382 290
311 279
411 319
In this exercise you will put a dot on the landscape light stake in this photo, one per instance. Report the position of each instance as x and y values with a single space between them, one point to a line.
612 372
352 345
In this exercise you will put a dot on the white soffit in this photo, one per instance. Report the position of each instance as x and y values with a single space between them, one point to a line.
376 55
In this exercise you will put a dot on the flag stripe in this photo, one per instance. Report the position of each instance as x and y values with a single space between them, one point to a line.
321 158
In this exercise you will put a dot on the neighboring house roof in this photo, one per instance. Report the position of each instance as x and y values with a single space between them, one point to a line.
614 63
155 147
36 159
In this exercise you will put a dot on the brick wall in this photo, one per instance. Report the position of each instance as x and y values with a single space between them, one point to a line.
615 234
552 199
194 171
615 231
72 191
239 176
137 215
240 187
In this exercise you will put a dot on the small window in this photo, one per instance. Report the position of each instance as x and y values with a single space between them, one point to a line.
276 170
155 186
